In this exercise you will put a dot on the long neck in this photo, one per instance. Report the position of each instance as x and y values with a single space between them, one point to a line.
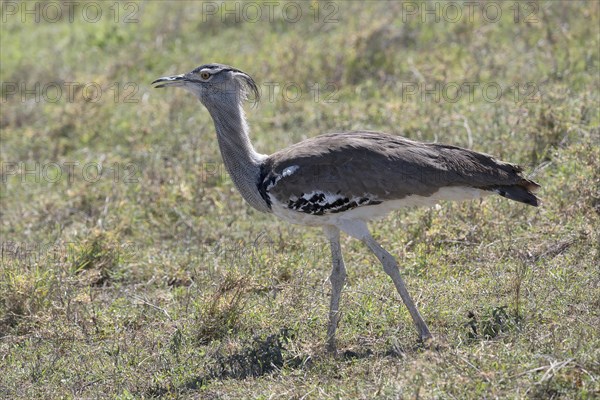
241 160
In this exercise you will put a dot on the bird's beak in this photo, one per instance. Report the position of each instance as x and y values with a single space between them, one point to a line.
175 80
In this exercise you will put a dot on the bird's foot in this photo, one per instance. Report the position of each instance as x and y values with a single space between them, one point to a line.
425 337
429 342
332 348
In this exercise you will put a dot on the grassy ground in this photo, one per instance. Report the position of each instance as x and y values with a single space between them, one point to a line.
131 268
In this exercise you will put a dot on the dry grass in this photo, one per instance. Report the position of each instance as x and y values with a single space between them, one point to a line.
154 279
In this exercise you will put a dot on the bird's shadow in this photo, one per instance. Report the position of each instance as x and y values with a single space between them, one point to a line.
263 356
260 356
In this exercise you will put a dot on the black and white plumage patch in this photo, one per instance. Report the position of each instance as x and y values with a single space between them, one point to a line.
320 203
316 202
266 180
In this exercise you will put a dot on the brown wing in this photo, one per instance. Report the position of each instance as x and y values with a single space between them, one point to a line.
386 167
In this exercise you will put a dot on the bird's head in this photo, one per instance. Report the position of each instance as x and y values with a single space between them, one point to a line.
215 85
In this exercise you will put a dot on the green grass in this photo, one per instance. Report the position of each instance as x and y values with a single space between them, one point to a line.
155 279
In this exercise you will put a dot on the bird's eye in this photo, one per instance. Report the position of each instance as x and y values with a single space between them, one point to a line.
204 75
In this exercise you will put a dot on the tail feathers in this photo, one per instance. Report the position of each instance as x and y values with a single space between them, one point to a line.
521 192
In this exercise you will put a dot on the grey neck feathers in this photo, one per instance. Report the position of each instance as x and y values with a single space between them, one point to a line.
241 160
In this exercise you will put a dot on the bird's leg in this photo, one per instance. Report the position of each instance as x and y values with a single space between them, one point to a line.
390 266
337 278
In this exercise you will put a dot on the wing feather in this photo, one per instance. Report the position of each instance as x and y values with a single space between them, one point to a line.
389 167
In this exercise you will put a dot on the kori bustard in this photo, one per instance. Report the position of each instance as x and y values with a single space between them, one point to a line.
340 181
